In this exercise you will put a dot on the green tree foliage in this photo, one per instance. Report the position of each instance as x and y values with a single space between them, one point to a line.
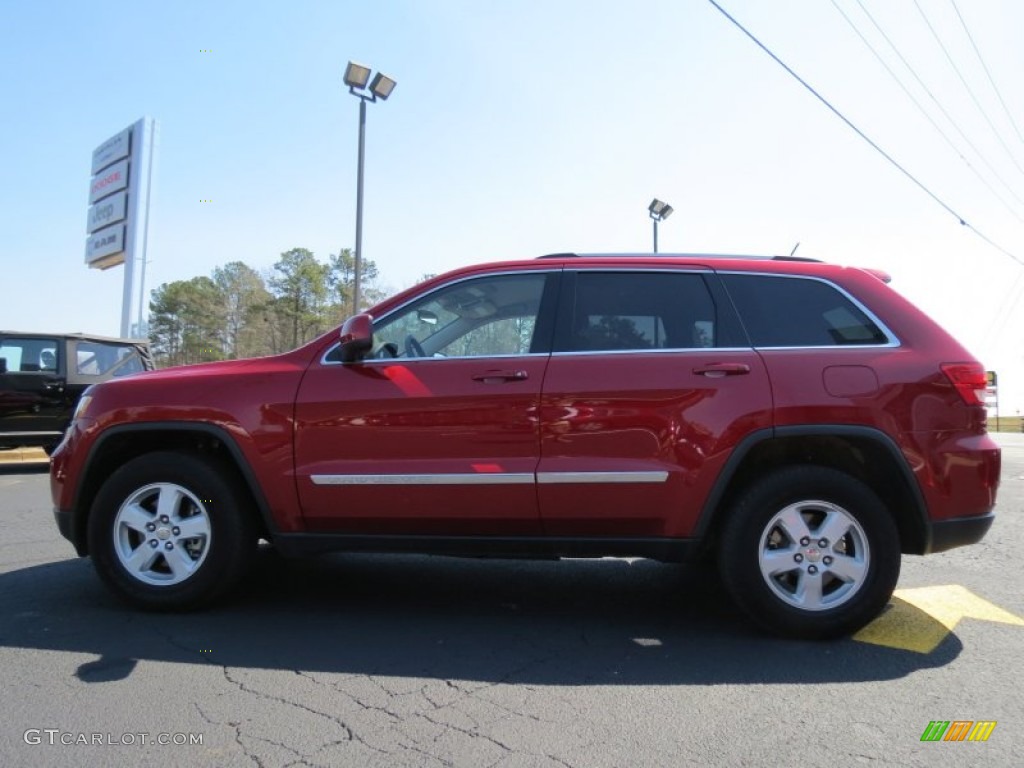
300 287
186 321
343 280
245 302
239 313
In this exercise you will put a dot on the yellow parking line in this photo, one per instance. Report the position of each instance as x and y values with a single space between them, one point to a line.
919 619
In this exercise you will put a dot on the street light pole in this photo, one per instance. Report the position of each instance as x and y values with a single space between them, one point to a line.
359 207
659 211
356 78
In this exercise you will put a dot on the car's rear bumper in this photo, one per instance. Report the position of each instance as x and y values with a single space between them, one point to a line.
959 532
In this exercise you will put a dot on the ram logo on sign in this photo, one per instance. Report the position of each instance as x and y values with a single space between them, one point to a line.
106 247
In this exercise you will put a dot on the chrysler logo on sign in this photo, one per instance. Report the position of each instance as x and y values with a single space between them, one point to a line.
112 149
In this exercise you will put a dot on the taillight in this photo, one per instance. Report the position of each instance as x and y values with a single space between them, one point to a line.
969 379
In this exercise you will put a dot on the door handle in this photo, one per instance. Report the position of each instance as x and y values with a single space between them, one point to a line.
718 370
495 377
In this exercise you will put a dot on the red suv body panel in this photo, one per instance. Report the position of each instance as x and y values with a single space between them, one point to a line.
646 414
551 443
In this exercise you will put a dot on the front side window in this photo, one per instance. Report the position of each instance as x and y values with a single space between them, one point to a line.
781 311
481 317
616 311
29 355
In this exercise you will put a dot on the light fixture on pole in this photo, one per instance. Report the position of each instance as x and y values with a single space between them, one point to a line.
356 78
659 211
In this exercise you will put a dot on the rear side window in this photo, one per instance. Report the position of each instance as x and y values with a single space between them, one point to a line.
94 358
640 311
783 311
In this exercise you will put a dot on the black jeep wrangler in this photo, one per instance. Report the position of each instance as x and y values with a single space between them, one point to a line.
42 376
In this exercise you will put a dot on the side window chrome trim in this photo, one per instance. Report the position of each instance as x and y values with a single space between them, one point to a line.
412 360
400 307
652 351
893 339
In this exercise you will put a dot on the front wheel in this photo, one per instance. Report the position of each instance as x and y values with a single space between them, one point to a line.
810 552
169 531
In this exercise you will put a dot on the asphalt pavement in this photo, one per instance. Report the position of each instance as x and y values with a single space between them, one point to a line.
366 660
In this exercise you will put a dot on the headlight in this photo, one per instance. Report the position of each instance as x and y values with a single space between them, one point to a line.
82 407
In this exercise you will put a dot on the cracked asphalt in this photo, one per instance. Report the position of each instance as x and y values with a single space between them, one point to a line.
365 660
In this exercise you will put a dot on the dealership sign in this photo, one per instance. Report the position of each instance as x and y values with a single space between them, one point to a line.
111 150
119 197
106 212
106 247
108 181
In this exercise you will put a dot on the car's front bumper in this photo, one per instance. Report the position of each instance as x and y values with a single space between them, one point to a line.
68 527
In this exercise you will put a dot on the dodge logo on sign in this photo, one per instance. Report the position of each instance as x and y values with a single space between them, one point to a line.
113 179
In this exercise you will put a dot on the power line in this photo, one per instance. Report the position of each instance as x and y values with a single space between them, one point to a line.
987 73
998 323
967 87
937 103
864 136
927 116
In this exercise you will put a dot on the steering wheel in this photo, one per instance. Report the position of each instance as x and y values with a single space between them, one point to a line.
387 350
413 348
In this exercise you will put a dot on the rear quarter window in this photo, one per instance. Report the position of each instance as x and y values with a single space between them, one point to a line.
781 311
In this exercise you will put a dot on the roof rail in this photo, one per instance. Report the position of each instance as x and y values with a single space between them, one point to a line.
677 255
807 259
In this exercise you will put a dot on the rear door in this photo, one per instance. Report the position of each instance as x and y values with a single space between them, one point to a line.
651 385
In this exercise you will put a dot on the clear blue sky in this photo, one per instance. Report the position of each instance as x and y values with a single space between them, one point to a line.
516 129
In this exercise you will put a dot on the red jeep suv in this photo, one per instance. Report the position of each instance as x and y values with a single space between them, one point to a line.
800 422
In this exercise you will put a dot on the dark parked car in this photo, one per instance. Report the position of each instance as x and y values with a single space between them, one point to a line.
43 375
802 423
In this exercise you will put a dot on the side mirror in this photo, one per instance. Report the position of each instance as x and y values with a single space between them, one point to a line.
356 338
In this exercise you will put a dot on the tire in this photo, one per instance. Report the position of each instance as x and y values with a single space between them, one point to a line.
170 531
810 552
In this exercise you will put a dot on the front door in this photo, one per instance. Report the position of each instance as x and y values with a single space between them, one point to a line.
436 432
32 383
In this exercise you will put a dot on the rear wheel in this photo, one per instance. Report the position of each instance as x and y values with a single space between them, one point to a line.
170 531
810 552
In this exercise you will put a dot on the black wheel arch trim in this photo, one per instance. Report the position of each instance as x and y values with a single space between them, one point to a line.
748 443
213 430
